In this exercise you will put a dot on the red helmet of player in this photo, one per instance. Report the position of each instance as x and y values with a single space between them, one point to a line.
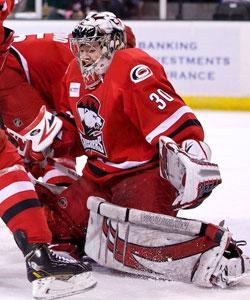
131 41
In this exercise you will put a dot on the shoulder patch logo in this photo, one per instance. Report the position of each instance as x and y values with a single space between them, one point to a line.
74 89
140 73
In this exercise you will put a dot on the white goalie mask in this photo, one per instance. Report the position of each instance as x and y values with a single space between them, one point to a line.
94 42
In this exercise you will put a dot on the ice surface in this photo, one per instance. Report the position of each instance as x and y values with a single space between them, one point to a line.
228 134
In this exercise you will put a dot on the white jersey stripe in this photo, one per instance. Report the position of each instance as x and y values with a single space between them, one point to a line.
15 188
24 64
53 174
125 165
165 125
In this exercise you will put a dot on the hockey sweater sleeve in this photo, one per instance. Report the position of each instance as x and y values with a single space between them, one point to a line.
6 7
153 105
69 129
6 34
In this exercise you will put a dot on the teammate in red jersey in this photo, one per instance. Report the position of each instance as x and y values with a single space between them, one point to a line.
27 82
31 69
22 213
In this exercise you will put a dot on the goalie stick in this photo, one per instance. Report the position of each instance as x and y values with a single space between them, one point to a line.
67 171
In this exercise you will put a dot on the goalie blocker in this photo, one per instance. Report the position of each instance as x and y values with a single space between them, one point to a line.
189 170
161 246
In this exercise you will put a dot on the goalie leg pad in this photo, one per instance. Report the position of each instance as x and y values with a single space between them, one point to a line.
229 272
164 248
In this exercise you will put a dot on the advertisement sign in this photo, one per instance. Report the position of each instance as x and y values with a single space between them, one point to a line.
198 60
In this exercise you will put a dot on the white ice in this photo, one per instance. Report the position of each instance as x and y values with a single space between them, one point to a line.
228 135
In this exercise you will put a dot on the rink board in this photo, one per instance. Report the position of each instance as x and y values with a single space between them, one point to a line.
207 62
218 103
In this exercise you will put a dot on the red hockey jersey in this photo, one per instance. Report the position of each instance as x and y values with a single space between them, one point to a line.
32 77
44 58
119 123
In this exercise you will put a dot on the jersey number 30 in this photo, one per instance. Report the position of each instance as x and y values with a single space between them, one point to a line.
160 97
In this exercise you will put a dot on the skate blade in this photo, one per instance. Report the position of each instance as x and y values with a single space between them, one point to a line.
53 288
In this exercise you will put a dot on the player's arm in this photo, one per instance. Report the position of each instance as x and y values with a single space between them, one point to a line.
168 124
155 108
68 140
6 7
48 135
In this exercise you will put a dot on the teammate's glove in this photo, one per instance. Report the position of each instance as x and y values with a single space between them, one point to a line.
188 170
34 141
63 143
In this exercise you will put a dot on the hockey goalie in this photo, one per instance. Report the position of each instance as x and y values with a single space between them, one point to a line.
146 160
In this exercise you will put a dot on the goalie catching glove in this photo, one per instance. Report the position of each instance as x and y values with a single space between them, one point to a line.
189 170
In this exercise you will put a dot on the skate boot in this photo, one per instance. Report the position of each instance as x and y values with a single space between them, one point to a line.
233 266
52 275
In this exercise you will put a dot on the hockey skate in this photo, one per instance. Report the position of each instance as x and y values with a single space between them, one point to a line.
52 275
232 268
222 267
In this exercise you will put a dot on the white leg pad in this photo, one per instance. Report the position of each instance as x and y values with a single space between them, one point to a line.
135 249
121 239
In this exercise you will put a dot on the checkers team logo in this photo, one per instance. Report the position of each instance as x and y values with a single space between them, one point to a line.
62 202
92 123
140 73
